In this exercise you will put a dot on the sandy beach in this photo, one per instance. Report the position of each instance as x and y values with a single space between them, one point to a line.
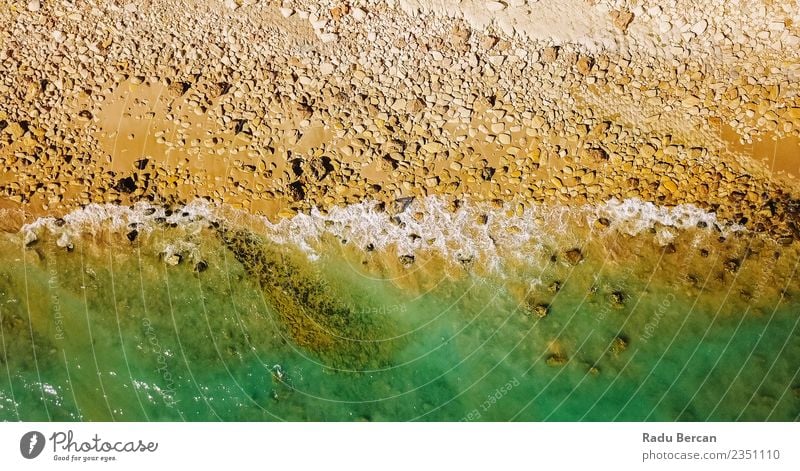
279 108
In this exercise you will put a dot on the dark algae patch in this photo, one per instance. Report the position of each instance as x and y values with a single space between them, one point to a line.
310 311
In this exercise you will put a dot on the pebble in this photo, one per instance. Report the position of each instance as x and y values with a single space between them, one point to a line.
34 5
358 14
494 7
699 27
328 37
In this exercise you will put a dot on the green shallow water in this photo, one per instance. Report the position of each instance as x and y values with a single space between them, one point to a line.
109 331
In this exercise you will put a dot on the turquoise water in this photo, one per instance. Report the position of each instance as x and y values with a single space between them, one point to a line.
109 331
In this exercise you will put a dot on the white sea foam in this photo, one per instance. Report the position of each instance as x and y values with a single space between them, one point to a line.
472 231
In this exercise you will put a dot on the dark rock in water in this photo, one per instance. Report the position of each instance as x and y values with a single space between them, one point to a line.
670 248
401 204
556 359
132 235
702 224
126 185
786 241
30 239
201 266
604 222
60 222
732 265
541 310
149 211
619 344
487 173
574 256
618 297
554 287
704 253
370 247
161 220
167 212
692 280
406 259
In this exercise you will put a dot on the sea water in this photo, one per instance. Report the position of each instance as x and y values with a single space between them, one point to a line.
426 309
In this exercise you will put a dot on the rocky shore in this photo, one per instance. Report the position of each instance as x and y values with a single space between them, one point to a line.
277 108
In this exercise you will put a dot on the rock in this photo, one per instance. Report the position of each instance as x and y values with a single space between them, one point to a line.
584 64
326 68
34 5
556 359
328 37
459 36
286 12
172 259
550 54
297 191
488 42
732 265
231 4
14 130
619 344
407 260
29 238
358 14
201 266
621 19
494 7
617 298
339 11
540 310
132 235
699 27
177 89
574 256
669 185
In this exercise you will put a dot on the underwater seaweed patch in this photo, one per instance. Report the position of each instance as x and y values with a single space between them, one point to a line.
308 307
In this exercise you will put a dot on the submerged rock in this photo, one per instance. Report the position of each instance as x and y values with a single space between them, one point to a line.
556 359
618 298
619 344
574 256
